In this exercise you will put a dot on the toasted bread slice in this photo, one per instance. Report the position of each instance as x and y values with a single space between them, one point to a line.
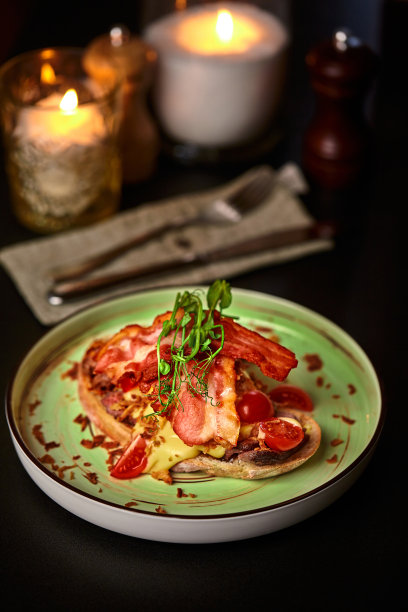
95 410
256 464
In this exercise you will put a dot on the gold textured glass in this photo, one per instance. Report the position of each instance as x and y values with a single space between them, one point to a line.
60 130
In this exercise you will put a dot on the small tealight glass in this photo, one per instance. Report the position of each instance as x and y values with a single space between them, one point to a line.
60 130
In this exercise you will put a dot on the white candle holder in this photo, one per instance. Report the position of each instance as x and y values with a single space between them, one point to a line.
60 131
218 91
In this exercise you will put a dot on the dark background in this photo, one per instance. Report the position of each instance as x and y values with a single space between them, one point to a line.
352 554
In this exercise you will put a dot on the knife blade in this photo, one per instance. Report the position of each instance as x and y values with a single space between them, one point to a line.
65 290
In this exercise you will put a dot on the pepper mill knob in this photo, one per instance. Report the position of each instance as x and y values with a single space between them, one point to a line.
335 142
134 61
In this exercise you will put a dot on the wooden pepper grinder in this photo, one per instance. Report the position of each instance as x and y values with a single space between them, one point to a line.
335 143
134 61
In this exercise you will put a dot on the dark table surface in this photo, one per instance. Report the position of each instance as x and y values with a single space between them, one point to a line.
350 555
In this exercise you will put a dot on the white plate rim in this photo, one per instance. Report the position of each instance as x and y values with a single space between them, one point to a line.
344 475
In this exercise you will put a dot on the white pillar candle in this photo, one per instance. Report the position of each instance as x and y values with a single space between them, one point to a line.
220 73
57 122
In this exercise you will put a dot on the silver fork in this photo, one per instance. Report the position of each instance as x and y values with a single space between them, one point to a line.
220 211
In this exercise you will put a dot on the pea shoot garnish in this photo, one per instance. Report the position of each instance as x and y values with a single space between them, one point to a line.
191 353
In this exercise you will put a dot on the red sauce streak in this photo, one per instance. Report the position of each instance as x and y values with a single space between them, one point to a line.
47 459
328 385
344 418
347 420
332 459
92 477
131 504
160 510
87 443
336 442
314 362
336 396
351 389
82 420
110 445
62 470
33 406
180 493
72 373
96 441
111 460
49 445
319 381
39 436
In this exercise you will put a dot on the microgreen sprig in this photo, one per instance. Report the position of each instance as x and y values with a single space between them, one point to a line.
191 343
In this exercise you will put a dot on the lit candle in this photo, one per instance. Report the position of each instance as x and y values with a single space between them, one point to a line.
60 128
57 122
220 73
54 135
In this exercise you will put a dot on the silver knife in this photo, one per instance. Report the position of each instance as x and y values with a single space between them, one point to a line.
64 290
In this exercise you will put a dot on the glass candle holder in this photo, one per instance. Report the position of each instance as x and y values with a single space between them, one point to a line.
60 130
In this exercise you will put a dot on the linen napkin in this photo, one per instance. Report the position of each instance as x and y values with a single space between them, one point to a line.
30 263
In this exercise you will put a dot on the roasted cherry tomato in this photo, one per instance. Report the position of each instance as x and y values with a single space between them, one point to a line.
281 434
133 461
289 396
255 406
127 381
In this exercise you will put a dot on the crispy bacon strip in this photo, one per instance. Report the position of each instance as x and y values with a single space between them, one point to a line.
274 360
130 358
201 420
134 348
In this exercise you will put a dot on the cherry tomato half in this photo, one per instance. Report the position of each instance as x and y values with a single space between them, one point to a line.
255 406
281 434
133 461
127 381
289 396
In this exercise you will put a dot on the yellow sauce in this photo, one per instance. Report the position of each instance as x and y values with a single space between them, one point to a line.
165 448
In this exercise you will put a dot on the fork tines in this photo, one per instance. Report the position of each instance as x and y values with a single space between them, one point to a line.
254 191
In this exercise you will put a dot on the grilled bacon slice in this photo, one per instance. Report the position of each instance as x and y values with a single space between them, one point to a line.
274 360
134 349
199 420
129 359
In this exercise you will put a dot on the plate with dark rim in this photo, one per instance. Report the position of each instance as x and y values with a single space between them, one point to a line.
54 443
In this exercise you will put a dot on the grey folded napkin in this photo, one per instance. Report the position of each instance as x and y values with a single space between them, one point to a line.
29 264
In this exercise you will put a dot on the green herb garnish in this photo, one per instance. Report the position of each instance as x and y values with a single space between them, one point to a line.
194 344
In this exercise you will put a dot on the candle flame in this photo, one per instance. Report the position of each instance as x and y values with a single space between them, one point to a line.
47 54
69 101
47 74
224 26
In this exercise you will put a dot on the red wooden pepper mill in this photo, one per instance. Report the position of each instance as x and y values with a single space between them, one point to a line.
335 142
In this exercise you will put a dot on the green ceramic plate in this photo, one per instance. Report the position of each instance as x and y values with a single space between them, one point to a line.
44 416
